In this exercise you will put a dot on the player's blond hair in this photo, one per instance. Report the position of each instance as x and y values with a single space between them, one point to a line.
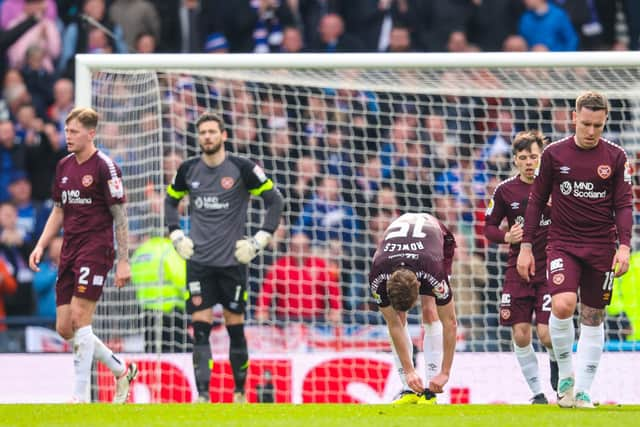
402 289
593 101
87 117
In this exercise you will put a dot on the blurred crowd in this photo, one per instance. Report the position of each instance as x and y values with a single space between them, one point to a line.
347 161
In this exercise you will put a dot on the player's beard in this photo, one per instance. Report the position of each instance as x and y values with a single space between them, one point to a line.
211 148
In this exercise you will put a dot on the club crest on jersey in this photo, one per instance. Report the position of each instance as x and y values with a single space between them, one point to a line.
87 180
558 279
604 171
505 313
115 188
227 182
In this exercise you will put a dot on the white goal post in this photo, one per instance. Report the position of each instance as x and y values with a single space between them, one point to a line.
368 135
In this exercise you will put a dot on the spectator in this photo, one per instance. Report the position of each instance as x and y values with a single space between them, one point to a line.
38 79
626 297
12 157
632 17
159 276
176 33
546 24
300 286
145 43
15 91
12 251
368 21
42 155
11 9
44 34
135 17
436 19
333 37
8 286
9 37
32 216
44 281
292 40
400 40
457 42
300 192
78 38
63 97
245 25
327 217
515 43
594 21
492 21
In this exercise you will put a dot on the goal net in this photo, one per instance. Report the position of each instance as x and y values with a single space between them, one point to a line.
351 141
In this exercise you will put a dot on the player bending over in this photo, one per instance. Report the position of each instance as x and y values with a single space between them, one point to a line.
414 258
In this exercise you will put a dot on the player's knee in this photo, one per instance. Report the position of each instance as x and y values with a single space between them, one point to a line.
236 335
521 338
563 309
201 332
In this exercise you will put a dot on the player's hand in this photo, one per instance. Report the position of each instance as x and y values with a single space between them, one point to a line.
183 244
515 234
414 381
123 273
247 249
35 257
526 264
437 383
620 263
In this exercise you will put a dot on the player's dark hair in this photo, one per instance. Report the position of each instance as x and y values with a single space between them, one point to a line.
525 139
210 117
402 288
87 117
593 101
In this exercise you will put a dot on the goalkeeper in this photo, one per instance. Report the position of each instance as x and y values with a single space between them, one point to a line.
414 258
219 185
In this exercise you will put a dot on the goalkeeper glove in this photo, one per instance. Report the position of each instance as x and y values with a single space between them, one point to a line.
183 244
247 249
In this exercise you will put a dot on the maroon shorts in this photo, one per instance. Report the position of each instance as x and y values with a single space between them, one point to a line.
520 300
587 268
83 279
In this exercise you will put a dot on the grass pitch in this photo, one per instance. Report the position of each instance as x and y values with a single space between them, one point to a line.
314 415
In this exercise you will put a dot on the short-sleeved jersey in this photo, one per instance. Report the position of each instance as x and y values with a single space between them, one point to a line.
510 201
218 201
85 192
419 243
586 188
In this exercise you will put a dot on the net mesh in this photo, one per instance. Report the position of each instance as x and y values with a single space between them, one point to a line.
350 150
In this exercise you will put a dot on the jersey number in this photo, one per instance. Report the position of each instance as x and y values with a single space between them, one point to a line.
607 285
546 302
403 229
84 273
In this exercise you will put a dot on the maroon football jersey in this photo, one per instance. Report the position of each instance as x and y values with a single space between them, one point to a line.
586 187
85 192
419 243
510 200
